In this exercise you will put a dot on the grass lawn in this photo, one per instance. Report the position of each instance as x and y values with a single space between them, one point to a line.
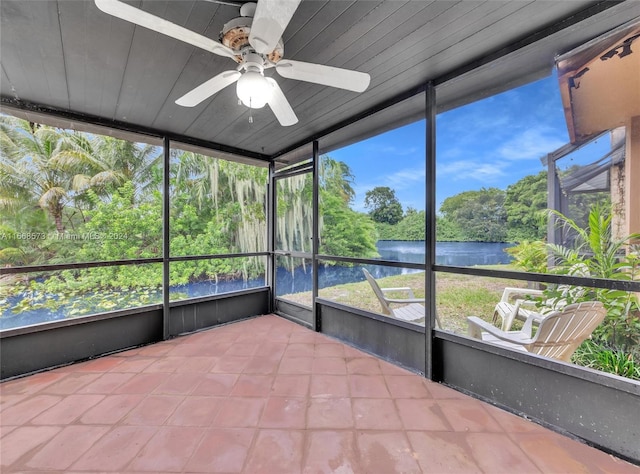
457 296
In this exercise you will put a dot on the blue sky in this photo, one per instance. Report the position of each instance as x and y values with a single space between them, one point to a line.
490 143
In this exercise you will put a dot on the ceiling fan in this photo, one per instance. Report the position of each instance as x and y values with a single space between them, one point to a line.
254 41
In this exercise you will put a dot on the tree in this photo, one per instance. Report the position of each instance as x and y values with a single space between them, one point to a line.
525 203
205 188
479 215
29 172
345 232
118 229
336 177
412 225
105 163
447 230
383 204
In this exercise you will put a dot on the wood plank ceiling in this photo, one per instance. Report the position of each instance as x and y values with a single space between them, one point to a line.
69 56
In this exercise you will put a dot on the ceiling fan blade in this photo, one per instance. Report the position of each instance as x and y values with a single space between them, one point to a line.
326 75
269 22
147 20
280 106
207 89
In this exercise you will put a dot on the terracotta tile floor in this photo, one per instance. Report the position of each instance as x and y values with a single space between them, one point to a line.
266 396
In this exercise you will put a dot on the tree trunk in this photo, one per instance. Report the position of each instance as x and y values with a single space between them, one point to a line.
59 226
56 211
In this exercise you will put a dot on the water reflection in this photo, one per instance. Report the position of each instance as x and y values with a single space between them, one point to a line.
462 254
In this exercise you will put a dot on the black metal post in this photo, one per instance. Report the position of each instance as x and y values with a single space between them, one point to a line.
315 235
554 201
430 231
166 241
271 221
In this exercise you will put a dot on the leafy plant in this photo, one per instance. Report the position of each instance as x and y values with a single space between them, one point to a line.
68 294
530 256
614 361
596 253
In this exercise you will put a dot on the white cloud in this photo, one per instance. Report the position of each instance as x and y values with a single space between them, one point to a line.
472 169
468 124
397 151
405 176
532 143
401 181
451 153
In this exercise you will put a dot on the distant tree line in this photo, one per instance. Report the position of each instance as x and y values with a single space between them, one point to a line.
516 214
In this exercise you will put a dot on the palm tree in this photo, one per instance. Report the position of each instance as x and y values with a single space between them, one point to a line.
197 176
336 177
29 172
104 163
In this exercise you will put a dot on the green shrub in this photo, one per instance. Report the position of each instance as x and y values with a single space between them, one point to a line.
597 254
613 361
530 256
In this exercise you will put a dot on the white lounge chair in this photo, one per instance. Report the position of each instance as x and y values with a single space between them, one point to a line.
515 305
523 303
558 336
413 308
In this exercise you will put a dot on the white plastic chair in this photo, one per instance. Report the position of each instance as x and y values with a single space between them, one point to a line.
524 303
413 309
558 336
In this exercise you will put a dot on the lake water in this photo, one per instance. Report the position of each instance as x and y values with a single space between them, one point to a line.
447 253
462 254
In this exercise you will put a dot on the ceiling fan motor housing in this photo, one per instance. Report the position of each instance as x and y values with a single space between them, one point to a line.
235 35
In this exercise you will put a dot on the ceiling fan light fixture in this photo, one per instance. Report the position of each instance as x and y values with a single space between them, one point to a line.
254 90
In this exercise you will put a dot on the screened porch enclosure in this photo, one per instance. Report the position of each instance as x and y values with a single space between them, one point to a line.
165 221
